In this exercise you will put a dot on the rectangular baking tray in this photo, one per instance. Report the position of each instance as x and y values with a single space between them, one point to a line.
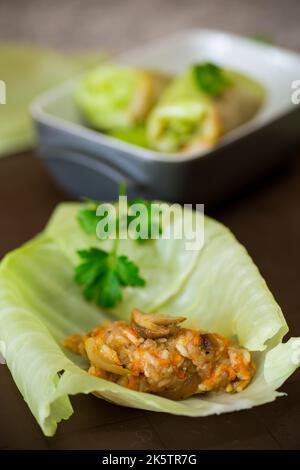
88 163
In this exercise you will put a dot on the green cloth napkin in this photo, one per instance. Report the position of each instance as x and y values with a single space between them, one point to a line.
28 71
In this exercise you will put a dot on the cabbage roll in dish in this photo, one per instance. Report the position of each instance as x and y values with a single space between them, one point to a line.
118 97
200 106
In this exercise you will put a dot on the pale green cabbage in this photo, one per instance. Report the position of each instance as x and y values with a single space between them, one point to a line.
27 71
104 96
218 288
115 97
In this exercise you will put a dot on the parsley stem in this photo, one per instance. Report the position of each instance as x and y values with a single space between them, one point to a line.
115 246
122 189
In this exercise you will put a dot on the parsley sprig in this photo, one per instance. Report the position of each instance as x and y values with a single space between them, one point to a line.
152 222
210 78
88 219
102 274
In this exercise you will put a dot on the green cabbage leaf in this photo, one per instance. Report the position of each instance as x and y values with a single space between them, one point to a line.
217 288
27 71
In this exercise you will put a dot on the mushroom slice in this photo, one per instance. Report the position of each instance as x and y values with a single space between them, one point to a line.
154 326
97 353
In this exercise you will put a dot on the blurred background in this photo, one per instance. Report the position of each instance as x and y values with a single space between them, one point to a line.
115 25
107 27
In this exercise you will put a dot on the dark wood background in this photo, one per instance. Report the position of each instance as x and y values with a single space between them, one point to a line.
266 220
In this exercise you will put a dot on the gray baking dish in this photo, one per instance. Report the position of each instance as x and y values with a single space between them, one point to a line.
88 163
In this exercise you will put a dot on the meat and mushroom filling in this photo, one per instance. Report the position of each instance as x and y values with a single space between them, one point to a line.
153 353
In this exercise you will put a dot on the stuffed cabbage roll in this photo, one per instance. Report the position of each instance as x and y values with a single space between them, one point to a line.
118 97
200 106
154 354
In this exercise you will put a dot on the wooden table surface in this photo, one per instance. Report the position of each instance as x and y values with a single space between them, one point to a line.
266 221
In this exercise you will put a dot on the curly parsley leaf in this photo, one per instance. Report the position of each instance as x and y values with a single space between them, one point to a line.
128 272
151 224
210 78
102 276
88 220
87 217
